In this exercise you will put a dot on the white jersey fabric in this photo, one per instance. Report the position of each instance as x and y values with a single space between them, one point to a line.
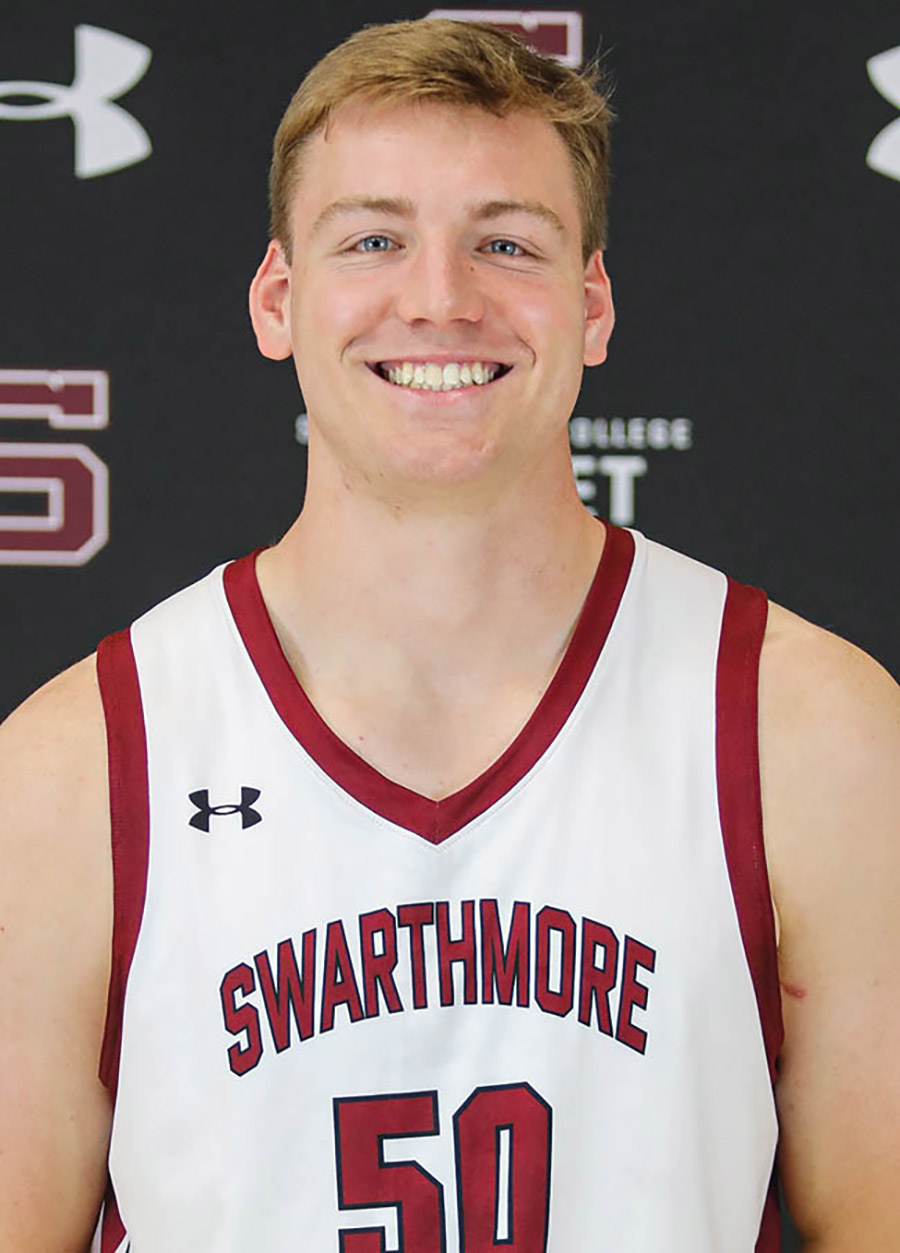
541 1014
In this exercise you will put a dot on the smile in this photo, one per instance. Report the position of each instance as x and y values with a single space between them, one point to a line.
432 376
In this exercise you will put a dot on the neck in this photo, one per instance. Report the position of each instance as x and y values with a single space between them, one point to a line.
355 576
425 639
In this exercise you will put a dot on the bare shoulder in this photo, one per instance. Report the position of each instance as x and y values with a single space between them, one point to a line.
830 768
53 774
53 797
58 716
829 747
830 761
807 671
55 936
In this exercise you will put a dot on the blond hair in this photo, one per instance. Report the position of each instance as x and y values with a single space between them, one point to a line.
457 63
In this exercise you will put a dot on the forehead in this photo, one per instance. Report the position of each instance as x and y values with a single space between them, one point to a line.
438 157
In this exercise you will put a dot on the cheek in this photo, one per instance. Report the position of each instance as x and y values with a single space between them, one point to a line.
332 314
551 308
553 328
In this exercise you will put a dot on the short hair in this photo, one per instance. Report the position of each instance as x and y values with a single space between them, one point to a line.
457 63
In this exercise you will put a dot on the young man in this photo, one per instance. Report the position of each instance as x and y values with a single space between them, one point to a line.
438 900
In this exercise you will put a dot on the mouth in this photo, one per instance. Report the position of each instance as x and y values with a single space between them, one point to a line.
439 376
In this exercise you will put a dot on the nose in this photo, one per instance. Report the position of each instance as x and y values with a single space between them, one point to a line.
440 286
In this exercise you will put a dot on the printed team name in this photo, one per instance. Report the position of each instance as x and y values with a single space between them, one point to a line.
561 964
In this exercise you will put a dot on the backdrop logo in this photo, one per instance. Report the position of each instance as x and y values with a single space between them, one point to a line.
557 33
67 482
106 66
609 453
884 150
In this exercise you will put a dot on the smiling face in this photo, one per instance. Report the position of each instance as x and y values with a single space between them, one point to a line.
436 303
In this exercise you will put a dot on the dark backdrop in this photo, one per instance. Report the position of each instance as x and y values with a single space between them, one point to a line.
747 414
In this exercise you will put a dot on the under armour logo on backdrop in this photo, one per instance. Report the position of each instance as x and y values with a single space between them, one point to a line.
107 138
249 816
884 150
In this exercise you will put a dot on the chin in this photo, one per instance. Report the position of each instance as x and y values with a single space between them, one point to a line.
457 459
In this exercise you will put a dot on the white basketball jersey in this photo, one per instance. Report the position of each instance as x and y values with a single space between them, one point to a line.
538 1015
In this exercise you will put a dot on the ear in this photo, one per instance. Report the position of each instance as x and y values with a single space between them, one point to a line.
270 304
599 314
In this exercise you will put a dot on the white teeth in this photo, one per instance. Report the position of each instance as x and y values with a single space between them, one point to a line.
429 376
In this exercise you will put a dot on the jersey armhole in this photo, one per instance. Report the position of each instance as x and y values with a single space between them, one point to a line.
130 826
110 1236
740 811
740 798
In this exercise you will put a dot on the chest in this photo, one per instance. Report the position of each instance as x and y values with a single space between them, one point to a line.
349 986
434 745
525 1002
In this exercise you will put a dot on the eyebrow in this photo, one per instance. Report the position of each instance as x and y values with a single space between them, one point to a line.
395 206
403 207
487 210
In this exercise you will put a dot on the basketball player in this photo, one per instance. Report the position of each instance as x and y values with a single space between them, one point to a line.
438 902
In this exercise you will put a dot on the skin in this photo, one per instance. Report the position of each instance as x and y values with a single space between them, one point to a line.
469 594
424 597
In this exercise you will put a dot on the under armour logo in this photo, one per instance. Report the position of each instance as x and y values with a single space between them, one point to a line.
884 150
249 816
106 66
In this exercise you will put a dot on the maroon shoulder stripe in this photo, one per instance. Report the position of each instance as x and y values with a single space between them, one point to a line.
769 1239
740 809
112 1231
130 820
434 820
740 801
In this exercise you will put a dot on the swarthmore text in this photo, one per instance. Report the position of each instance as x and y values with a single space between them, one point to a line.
543 958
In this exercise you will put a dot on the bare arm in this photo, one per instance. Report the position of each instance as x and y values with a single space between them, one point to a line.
55 928
830 744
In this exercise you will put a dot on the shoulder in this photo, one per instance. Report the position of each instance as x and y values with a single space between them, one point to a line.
799 654
54 813
829 718
55 937
829 757
54 824
72 690
830 771
54 810
56 740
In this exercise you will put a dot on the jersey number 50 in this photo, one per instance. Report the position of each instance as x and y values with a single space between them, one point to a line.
502 1141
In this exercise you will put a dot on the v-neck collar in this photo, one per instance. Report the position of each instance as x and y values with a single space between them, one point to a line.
434 820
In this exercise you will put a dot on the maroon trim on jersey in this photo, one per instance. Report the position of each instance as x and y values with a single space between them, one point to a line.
129 807
433 820
112 1230
769 1239
740 810
740 801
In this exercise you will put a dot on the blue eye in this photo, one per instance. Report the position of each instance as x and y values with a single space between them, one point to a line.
505 248
374 243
